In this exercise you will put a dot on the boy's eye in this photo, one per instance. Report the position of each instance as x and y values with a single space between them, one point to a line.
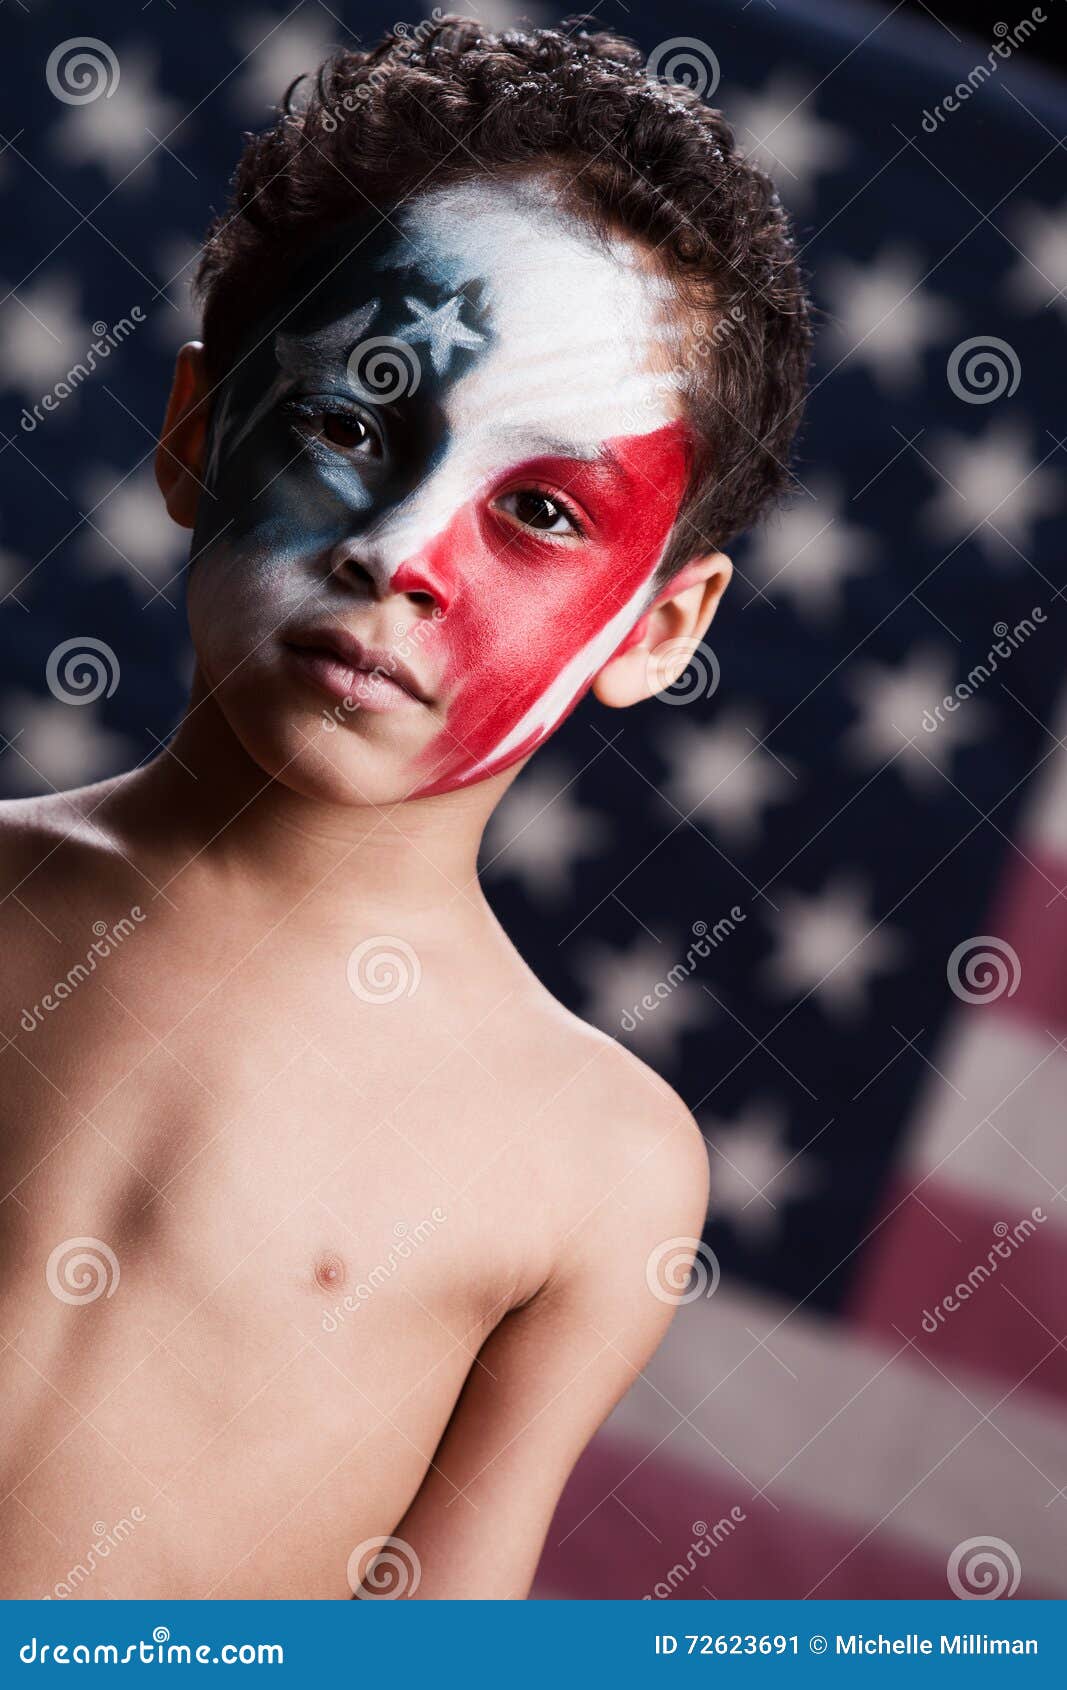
344 430
537 510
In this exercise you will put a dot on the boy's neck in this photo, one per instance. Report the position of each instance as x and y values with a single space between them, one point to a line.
206 802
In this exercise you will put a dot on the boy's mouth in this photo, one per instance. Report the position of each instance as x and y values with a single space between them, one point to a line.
341 665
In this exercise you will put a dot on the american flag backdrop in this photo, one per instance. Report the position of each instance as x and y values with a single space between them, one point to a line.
856 800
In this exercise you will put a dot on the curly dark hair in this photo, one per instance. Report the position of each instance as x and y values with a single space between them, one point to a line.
451 101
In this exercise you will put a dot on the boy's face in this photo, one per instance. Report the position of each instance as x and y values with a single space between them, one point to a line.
442 480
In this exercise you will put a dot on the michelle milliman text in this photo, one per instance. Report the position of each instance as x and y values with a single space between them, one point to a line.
958 1643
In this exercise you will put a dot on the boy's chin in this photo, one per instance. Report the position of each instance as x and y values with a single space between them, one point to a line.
334 766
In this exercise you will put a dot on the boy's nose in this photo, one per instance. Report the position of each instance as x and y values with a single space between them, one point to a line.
367 568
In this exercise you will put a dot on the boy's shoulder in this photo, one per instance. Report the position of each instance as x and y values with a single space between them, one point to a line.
631 1179
43 839
626 1128
28 823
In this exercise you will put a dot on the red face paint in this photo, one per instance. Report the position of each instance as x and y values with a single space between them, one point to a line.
526 613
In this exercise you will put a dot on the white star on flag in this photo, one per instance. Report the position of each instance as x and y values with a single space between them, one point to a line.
65 744
129 531
807 551
777 129
723 772
539 831
122 131
881 316
275 53
896 712
42 337
993 489
754 1173
1040 276
617 982
829 943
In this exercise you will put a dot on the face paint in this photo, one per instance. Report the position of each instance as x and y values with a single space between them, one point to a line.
463 419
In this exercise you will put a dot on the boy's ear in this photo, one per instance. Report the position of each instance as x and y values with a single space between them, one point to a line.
659 647
182 445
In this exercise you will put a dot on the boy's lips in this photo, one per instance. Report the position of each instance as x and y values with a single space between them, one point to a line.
346 668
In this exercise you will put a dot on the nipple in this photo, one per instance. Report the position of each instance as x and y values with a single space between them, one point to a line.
330 1271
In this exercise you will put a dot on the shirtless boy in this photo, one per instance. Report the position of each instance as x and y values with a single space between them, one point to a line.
323 1223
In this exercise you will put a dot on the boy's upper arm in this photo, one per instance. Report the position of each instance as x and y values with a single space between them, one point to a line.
553 1369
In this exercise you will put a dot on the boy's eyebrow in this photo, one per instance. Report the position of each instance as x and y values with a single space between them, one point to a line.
550 446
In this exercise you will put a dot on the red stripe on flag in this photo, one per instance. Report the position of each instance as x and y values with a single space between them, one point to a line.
627 1527
1003 1290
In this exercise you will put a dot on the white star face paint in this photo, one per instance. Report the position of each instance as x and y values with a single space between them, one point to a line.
520 491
